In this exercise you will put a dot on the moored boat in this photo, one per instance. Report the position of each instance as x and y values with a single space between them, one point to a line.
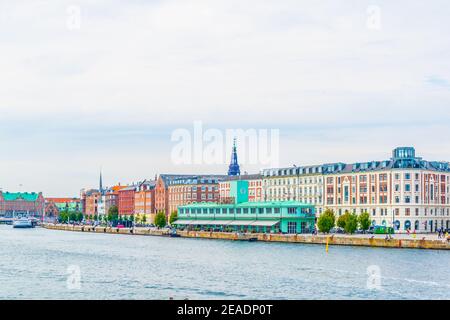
23 223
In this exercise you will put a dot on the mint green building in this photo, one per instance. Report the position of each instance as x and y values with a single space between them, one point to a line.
240 215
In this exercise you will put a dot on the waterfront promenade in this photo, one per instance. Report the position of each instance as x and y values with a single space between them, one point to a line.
421 241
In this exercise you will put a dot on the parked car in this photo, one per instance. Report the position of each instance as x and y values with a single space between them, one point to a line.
120 226
337 230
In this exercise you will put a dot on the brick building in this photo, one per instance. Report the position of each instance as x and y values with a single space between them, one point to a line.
22 204
126 200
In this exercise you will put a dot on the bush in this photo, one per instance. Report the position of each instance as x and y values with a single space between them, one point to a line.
326 221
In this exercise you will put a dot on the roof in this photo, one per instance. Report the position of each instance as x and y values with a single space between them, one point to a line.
63 200
261 204
402 158
169 178
256 176
12 196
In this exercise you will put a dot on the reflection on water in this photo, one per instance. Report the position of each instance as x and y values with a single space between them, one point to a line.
34 265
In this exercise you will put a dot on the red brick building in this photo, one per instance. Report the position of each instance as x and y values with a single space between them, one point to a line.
126 200
22 204
192 189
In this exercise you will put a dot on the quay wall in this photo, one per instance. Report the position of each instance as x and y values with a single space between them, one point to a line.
308 239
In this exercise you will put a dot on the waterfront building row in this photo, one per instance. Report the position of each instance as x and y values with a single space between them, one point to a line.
404 191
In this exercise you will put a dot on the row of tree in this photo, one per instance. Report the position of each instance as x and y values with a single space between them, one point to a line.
114 217
348 221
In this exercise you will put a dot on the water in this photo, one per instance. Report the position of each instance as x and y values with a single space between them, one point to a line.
34 265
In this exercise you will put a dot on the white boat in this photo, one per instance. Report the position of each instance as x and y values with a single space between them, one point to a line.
22 223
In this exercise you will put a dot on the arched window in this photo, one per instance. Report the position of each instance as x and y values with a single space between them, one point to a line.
383 223
407 224
397 225
374 222
416 225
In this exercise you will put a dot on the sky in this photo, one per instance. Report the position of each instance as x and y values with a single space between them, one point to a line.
106 85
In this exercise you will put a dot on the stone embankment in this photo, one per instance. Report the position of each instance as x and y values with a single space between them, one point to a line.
364 241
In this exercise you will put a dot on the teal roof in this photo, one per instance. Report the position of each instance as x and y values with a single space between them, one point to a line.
12 196
261 204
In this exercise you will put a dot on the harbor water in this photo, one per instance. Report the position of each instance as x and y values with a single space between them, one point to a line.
49 264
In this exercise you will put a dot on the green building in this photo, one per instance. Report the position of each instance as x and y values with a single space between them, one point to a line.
240 215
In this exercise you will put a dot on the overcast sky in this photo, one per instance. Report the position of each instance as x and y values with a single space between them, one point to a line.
97 84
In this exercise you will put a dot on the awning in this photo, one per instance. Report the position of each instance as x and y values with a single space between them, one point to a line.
203 222
241 222
262 223
182 222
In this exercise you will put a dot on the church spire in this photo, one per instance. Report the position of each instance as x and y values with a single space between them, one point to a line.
101 182
234 169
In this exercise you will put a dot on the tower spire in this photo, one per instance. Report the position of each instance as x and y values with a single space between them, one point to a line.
101 182
234 169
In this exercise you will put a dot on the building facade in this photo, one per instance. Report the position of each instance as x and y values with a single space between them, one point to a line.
255 190
192 189
405 192
303 184
21 204
144 200
91 198
290 217
126 200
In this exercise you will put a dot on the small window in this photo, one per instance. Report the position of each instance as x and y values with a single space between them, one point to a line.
269 210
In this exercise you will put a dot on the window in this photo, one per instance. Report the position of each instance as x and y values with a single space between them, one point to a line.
292 210
407 187
277 210
238 210
269 210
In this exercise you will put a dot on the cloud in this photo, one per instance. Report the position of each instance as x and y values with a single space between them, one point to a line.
109 92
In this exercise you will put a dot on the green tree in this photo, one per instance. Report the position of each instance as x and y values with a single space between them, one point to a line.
342 220
113 214
364 221
160 219
173 217
326 221
79 216
73 216
351 224
63 215
144 219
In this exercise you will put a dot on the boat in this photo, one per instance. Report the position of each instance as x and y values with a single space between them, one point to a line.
23 223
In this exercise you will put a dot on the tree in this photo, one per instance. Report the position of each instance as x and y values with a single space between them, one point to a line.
173 217
113 214
79 216
63 216
351 223
342 220
73 216
144 219
160 219
326 221
364 221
